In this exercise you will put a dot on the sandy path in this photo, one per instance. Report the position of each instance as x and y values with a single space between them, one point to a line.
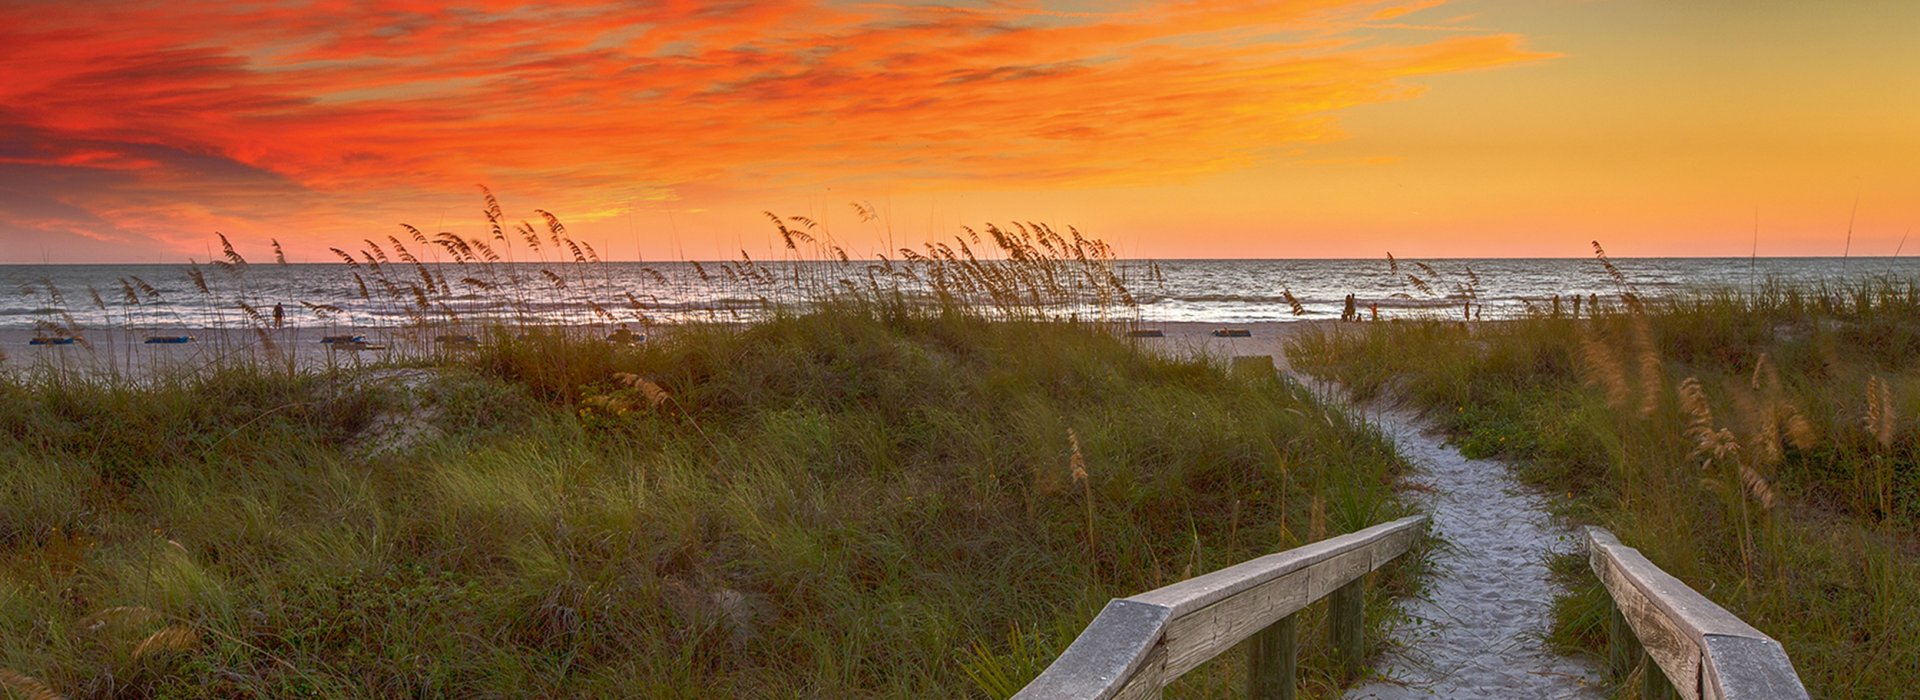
1479 631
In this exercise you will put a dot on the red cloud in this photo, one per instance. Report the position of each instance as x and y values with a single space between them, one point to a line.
358 101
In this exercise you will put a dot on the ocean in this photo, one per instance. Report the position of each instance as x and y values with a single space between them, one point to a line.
1220 291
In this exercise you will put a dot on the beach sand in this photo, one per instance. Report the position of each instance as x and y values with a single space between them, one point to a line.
122 352
1268 338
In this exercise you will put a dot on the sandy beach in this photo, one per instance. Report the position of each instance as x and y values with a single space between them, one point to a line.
1269 338
125 352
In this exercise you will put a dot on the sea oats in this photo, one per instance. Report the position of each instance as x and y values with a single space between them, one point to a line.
233 258
26 687
1647 356
1757 487
167 639
1800 432
1603 368
1077 465
120 616
1709 441
1879 420
1293 302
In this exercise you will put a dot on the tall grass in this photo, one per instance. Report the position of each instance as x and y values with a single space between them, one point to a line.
415 294
891 490
1758 444
824 505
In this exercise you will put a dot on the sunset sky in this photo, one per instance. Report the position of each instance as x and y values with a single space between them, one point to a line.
132 131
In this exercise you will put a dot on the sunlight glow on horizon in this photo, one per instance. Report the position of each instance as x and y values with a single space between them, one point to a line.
132 130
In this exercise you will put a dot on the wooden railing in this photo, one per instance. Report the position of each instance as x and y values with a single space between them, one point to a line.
1138 645
1702 652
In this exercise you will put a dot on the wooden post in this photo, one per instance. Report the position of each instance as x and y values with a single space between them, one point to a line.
1347 625
1272 659
1653 682
1622 647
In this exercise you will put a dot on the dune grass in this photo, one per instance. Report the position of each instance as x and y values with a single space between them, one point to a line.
1760 445
836 503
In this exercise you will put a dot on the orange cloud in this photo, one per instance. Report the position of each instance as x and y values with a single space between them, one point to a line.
276 116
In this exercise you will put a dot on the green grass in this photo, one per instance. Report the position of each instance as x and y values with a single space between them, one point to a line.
837 504
1805 520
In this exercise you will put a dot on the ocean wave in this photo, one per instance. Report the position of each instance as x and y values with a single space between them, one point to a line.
1214 291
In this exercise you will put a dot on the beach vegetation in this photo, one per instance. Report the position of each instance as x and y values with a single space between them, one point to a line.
922 486
1758 443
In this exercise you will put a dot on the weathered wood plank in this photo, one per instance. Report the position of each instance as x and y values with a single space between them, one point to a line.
1743 668
1187 596
1138 644
1394 544
1200 591
1149 679
1673 650
1193 639
1338 571
1686 605
1704 651
1112 651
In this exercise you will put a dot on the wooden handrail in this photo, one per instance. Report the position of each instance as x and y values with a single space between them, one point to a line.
1137 645
1704 652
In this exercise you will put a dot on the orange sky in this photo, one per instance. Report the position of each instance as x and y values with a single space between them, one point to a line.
132 131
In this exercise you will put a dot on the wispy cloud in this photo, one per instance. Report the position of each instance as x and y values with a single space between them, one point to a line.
273 115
